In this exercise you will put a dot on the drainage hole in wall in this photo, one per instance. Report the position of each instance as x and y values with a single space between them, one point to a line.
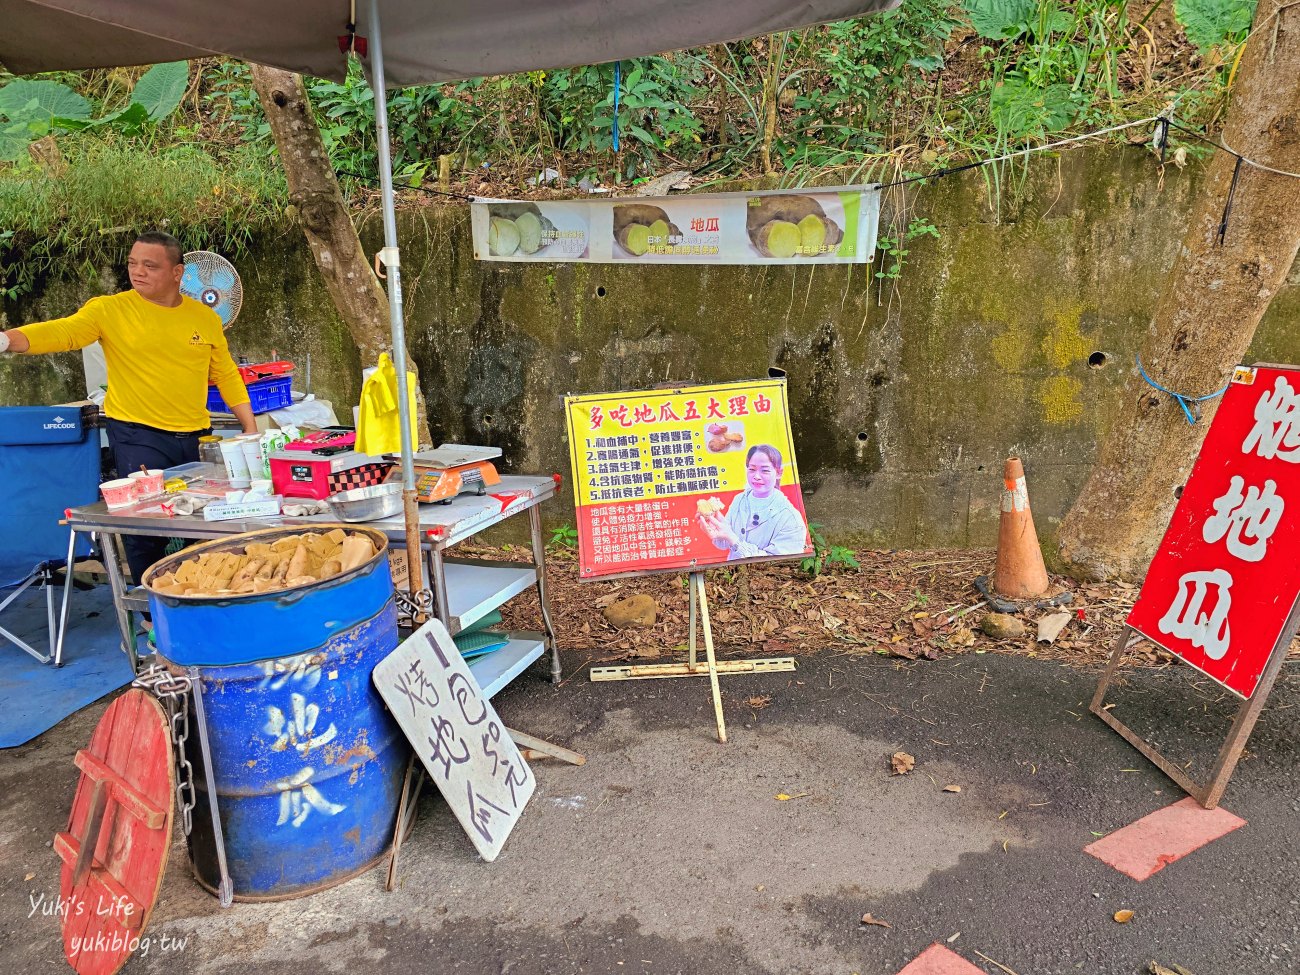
775 372
862 436
600 291
1178 491
1097 360
487 419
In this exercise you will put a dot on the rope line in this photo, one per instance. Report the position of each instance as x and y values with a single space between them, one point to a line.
937 174
618 83
1246 160
1182 400
1160 140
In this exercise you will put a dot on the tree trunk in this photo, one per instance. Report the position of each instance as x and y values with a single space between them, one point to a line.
320 211
1212 301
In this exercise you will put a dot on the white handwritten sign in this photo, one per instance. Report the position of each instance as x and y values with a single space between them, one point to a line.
465 748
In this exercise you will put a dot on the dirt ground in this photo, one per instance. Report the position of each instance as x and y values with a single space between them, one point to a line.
897 604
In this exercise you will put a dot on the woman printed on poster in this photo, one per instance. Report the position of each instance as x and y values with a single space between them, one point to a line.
761 520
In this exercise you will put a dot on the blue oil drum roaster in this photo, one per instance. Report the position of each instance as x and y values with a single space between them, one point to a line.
308 762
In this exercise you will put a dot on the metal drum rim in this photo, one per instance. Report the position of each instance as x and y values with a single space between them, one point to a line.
246 538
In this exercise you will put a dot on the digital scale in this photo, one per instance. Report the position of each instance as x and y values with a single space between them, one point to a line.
452 469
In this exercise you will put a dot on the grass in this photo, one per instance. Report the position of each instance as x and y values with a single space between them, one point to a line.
61 220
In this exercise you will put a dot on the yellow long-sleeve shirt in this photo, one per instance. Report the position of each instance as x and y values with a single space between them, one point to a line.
160 360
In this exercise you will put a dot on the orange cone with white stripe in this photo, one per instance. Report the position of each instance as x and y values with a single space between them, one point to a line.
1020 572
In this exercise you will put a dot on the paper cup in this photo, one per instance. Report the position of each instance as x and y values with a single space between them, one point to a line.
119 493
252 447
232 455
148 484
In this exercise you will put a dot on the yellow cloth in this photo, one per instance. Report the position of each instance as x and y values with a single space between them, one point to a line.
160 360
379 427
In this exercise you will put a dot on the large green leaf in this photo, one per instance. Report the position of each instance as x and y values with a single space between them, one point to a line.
130 120
1000 19
14 139
1210 22
27 99
1021 109
161 88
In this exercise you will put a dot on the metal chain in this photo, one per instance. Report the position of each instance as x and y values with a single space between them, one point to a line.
409 607
173 691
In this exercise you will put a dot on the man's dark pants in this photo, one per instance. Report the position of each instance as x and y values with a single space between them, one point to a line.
134 445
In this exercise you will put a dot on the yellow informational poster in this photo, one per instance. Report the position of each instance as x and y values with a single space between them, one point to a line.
679 479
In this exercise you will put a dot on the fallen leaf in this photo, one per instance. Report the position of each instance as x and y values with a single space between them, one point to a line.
902 763
29 876
868 919
952 788
1050 627
782 797
1123 917
761 887
758 701
962 637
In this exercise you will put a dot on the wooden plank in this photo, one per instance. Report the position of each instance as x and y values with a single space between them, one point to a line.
763 665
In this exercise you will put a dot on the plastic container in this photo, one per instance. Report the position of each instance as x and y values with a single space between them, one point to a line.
210 450
119 493
264 395
307 762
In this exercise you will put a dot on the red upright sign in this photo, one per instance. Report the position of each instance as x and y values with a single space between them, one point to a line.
1226 576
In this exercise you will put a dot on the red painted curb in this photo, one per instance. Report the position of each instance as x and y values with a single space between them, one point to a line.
1147 846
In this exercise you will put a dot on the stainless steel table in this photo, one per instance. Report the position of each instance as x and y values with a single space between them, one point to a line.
463 590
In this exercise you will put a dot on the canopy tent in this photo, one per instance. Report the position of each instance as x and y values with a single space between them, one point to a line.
422 42
425 41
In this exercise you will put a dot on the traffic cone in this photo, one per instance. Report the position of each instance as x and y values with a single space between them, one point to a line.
1020 572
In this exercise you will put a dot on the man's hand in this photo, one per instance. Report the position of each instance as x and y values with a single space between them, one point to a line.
13 341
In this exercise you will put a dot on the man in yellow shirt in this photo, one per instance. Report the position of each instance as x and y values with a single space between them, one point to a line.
162 350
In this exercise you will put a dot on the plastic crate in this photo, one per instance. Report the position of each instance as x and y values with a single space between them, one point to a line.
265 395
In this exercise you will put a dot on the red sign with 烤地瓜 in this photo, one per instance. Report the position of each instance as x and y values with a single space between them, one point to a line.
1221 587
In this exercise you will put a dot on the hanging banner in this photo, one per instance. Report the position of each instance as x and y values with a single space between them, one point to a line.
834 225
1227 573
677 479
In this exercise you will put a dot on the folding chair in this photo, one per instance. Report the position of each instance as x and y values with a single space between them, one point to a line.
49 461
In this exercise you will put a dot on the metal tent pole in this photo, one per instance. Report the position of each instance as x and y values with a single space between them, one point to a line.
390 255
392 261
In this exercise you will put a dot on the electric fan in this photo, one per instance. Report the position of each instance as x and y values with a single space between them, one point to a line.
213 280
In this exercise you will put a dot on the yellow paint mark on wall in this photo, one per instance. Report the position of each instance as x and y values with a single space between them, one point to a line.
1010 350
1061 398
1064 342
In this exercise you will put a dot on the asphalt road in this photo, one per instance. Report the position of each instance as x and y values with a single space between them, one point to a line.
669 853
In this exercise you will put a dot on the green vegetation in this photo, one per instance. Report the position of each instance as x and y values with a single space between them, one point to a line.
826 556
564 537
87 158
